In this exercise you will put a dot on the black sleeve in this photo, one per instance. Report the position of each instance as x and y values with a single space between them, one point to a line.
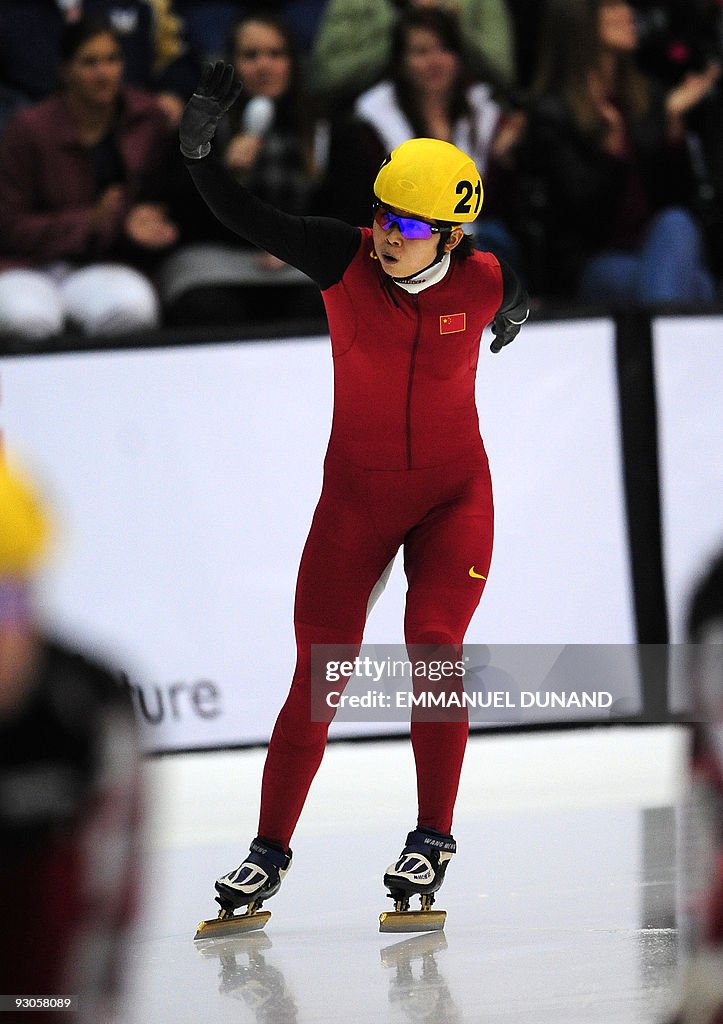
320 247
515 301
513 311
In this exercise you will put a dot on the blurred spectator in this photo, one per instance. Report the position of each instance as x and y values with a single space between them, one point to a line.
76 178
69 793
353 48
607 150
680 38
209 22
155 55
428 96
272 143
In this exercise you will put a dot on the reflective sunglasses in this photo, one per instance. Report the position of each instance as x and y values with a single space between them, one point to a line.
409 227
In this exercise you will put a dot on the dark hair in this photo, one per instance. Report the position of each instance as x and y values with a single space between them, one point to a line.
569 49
76 34
464 248
444 25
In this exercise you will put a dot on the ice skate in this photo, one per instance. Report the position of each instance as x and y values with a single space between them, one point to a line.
419 871
255 880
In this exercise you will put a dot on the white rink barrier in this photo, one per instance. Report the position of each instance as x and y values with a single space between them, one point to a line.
185 480
689 386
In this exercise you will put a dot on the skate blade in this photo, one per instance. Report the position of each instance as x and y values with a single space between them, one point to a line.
236 925
412 920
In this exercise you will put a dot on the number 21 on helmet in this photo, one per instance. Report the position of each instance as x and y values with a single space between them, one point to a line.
432 179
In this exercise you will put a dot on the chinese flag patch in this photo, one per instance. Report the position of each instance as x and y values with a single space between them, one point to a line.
452 323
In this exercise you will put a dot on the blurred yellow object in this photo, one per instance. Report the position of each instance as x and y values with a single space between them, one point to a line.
24 526
168 32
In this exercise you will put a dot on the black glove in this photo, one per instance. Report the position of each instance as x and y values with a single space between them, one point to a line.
506 326
215 93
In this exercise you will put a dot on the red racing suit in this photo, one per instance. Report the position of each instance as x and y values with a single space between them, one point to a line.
405 468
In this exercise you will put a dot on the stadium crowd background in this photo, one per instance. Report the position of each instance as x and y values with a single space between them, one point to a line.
596 125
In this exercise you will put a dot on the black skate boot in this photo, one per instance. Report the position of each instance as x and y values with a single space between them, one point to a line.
256 879
419 871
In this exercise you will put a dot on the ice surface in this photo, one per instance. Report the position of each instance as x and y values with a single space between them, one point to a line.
560 902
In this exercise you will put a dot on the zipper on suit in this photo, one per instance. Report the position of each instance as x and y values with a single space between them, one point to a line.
410 382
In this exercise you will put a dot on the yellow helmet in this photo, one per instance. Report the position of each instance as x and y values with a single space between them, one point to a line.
24 528
432 179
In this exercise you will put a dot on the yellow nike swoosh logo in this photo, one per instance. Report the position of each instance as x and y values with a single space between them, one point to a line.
476 575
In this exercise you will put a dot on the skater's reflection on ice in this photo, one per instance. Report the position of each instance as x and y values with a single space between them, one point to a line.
245 975
417 986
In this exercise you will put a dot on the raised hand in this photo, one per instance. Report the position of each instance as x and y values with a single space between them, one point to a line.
694 88
215 93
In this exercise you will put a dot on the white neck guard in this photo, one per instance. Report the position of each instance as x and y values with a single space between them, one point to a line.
425 278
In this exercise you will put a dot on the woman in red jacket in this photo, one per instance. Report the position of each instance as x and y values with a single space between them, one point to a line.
80 174
407 301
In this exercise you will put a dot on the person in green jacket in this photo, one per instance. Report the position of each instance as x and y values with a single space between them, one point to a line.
353 44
